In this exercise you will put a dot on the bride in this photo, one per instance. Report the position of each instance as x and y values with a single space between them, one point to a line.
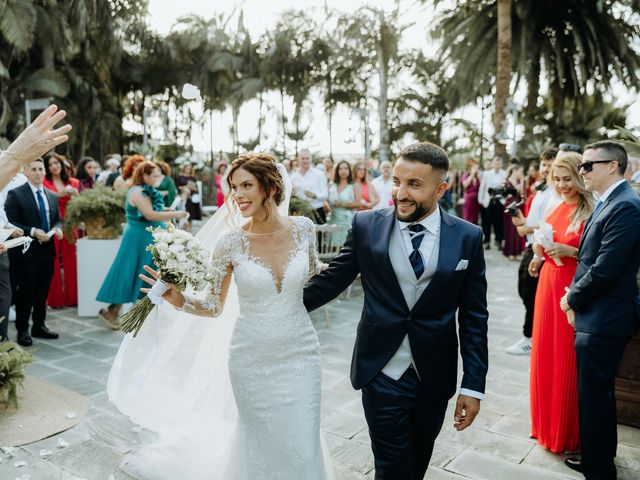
236 397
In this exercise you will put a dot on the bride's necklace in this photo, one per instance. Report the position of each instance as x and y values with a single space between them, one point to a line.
286 228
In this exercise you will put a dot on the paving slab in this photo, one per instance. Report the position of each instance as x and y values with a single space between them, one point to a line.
497 446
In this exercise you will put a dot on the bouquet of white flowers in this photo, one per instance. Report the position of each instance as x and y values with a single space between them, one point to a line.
181 259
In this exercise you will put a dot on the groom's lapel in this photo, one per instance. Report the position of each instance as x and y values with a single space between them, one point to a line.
383 227
448 258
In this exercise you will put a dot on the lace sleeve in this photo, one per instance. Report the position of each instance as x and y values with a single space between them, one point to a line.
210 302
315 265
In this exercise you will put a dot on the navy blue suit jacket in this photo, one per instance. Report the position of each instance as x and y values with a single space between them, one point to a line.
604 291
431 323
22 211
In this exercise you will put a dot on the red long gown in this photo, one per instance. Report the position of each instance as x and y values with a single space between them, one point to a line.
554 378
63 293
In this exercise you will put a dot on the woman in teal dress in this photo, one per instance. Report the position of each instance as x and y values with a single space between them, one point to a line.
343 201
144 208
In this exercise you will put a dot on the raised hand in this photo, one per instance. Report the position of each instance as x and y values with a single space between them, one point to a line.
38 138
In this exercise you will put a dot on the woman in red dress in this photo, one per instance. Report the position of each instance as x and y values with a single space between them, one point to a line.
57 179
554 381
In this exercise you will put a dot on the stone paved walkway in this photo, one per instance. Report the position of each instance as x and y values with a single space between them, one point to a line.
495 447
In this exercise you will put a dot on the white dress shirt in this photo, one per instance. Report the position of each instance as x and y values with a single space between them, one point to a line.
400 247
608 191
46 205
313 181
490 179
19 179
384 190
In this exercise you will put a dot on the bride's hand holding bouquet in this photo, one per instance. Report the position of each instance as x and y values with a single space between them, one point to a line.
182 261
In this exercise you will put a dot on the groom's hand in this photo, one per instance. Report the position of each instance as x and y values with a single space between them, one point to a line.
466 410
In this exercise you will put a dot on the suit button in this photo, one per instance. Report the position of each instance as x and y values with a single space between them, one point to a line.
409 318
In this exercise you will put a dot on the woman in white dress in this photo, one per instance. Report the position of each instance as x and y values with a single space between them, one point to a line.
269 428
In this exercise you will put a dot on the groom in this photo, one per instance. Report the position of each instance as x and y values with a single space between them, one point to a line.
418 266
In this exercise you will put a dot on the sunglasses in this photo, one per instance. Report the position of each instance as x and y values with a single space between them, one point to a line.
588 166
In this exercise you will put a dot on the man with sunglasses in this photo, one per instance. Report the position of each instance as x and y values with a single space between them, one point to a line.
603 303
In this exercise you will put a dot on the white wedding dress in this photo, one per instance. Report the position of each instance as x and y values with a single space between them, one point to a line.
270 429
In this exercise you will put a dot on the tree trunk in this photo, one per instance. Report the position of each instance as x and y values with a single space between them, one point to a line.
284 127
383 105
235 113
503 73
557 101
533 89
329 92
260 120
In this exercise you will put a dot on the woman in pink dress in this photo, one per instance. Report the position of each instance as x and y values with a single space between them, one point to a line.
222 167
363 187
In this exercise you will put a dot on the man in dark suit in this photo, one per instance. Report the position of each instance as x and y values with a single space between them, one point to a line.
603 303
33 209
418 266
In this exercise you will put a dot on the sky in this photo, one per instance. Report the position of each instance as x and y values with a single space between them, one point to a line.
260 15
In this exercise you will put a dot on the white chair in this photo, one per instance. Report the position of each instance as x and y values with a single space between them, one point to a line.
329 242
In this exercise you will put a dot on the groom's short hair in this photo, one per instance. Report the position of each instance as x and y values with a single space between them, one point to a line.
428 153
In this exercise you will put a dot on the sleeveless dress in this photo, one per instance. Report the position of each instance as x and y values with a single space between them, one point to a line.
122 284
554 377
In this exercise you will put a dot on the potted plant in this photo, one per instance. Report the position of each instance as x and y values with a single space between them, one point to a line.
100 209
13 361
302 208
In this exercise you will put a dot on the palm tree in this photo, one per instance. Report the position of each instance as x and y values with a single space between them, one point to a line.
503 71
577 45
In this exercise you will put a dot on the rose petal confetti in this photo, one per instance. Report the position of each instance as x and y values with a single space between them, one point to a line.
136 429
71 415
24 477
8 451
19 464
44 452
62 443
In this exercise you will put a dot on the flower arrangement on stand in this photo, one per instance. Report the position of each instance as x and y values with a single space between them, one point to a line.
100 209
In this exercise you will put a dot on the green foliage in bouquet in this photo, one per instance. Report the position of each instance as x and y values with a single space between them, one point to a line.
13 361
101 205
302 208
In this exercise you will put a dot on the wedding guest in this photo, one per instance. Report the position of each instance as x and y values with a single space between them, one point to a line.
364 190
603 302
544 200
34 141
310 184
144 208
294 164
5 277
383 184
553 383
57 179
34 210
188 185
220 169
514 183
124 182
471 184
492 180
328 169
111 166
87 172
167 186
342 199
530 186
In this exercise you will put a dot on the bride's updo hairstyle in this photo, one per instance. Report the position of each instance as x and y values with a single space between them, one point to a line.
263 167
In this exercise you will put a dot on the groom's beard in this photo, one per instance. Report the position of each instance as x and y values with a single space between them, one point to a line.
420 211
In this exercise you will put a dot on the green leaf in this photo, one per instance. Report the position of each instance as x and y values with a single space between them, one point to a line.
17 23
48 81
4 72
